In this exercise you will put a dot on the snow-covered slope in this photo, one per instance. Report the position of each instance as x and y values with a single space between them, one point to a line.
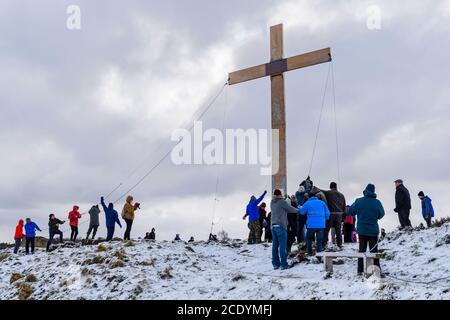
176 270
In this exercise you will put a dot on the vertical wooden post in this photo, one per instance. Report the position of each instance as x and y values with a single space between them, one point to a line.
279 180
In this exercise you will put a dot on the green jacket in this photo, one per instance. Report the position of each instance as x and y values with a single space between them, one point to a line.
368 211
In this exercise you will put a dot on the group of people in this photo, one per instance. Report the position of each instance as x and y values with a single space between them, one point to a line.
312 213
111 219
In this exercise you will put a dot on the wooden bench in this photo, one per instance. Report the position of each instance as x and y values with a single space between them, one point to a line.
368 258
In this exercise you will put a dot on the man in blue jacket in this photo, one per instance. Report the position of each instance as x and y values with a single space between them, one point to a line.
368 210
252 211
317 213
427 208
30 235
112 218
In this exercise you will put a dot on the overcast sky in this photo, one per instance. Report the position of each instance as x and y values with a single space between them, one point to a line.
80 109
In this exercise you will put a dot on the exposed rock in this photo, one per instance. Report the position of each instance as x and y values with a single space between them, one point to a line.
166 273
24 291
15 276
31 278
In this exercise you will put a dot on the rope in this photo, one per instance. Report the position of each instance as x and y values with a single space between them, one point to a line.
218 167
169 152
338 162
320 120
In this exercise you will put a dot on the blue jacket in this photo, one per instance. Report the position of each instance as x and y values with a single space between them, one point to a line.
368 210
252 210
427 207
111 215
316 212
30 229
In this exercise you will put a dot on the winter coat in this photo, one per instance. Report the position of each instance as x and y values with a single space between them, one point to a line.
402 199
94 216
111 215
152 236
30 229
280 210
74 215
19 231
336 201
252 210
53 225
316 212
262 215
318 193
128 209
368 210
427 208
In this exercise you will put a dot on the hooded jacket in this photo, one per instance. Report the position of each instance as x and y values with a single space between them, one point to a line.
74 215
368 210
427 207
30 229
252 210
111 215
280 209
128 209
94 213
19 231
316 212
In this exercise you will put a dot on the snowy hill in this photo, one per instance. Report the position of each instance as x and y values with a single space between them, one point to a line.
176 270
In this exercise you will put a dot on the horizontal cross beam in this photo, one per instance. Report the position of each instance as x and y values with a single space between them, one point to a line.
279 66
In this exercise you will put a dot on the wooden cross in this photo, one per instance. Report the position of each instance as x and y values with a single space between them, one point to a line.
275 69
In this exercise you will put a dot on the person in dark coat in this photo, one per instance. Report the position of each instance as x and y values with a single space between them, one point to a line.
268 230
369 210
336 205
152 235
112 217
402 204
262 218
349 225
292 225
94 221
427 208
53 229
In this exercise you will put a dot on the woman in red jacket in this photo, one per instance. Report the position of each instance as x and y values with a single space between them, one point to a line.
18 236
74 215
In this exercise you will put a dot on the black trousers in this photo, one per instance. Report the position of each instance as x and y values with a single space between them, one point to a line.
52 235
348 230
94 229
336 223
292 230
129 223
403 217
365 241
74 233
29 242
428 221
17 243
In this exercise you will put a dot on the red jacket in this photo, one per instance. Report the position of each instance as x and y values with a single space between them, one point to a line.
74 215
19 231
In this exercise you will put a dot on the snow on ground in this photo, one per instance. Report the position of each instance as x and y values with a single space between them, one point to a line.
177 270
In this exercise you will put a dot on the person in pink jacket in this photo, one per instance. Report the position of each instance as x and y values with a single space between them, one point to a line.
74 215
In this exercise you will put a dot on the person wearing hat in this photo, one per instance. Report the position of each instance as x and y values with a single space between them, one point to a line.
252 211
368 210
427 208
402 204
279 220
